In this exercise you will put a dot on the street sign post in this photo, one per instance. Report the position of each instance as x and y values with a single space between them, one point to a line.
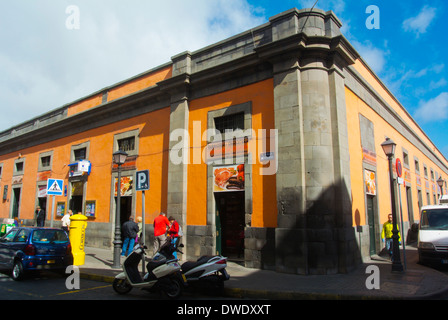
142 179
55 187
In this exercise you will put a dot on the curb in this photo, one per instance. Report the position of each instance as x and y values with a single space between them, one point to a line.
97 277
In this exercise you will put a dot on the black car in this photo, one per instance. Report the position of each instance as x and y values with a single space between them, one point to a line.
25 249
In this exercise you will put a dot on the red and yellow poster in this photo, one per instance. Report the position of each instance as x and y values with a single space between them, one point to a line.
228 178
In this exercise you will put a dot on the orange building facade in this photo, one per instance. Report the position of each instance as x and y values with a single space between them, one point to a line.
265 147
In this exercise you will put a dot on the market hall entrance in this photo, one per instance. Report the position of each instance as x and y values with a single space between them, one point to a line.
229 222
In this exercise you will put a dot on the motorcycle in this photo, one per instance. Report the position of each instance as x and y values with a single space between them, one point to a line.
163 273
208 272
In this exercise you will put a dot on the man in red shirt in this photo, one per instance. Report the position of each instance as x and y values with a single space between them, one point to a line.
173 232
161 224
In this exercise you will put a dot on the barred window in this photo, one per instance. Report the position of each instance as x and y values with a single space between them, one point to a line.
80 154
231 122
126 144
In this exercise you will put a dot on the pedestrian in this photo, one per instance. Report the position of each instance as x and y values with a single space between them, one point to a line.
386 234
66 221
161 224
139 239
129 231
40 217
173 232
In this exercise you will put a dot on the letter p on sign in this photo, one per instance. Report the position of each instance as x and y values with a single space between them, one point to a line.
142 178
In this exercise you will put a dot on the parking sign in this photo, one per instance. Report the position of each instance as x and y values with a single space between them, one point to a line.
142 179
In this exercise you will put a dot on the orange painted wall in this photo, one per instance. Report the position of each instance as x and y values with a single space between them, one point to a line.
356 106
153 155
263 187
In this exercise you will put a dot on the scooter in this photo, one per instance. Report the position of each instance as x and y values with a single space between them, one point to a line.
208 272
163 274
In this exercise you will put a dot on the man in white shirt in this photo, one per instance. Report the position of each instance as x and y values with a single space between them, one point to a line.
66 221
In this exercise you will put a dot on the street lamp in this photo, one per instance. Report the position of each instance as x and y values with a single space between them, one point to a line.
119 158
440 183
389 149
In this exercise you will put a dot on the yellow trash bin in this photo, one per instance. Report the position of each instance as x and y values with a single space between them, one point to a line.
78 225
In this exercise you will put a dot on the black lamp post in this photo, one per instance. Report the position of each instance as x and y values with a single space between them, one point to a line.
440 183
119 158
389 149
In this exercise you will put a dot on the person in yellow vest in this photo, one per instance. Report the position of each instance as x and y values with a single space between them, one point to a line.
386 234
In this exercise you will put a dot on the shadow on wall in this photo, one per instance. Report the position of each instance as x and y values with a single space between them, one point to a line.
319 241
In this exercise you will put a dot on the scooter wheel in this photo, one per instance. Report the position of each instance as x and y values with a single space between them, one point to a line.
121 286
174 289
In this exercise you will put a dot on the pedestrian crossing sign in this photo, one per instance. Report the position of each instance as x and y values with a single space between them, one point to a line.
55 187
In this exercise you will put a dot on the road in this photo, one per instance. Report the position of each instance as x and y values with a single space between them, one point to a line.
51 286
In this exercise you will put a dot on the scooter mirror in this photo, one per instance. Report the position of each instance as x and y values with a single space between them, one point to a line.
181 245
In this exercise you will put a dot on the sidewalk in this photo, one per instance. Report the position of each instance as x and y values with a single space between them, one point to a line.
417 282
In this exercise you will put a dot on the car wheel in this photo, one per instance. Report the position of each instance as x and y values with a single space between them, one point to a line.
17 271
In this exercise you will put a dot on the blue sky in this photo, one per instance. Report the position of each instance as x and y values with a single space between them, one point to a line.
46 62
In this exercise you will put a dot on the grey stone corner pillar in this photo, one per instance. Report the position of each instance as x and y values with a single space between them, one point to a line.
308 56
178 89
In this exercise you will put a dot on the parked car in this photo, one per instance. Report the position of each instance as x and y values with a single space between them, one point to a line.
25 249
433 235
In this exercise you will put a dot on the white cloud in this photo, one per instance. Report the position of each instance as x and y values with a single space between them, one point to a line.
375 57
45 65
420 23
435 109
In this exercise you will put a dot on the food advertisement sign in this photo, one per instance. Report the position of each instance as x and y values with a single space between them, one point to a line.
125 186
369 177
228 178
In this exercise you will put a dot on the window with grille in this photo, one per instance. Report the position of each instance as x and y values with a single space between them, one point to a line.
80 154
231 122
126 144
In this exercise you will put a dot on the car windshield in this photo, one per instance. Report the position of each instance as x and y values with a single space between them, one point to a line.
434 219
49 236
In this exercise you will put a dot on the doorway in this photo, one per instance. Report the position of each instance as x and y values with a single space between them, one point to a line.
371 218
76 196
125 209
16 192
229 222
409 204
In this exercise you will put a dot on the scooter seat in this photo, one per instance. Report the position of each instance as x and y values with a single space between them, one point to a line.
187 266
